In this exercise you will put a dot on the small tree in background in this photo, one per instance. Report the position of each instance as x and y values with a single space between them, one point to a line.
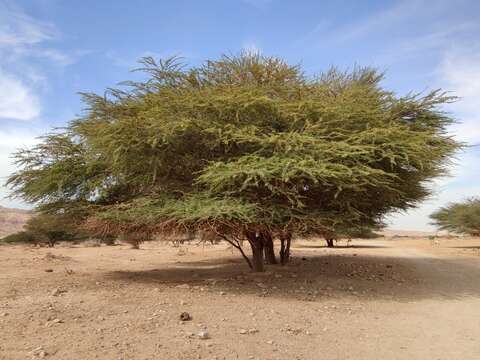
462 218
49 229
247 147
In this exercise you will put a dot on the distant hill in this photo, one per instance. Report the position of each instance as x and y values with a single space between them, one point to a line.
12 220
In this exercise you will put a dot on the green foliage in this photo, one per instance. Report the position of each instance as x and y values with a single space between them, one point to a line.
243 142
46 229
461 217
21 237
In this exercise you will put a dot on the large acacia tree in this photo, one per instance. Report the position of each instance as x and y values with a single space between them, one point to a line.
247 147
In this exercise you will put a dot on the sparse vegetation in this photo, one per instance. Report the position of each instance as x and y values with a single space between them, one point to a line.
462 217
247 147
46 229
21 237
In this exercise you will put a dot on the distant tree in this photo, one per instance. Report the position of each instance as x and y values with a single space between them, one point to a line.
247 147
46 229
462 217
51 229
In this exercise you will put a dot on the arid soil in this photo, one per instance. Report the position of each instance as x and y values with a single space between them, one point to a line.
390 299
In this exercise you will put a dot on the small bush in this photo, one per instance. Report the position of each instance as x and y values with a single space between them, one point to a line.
21 237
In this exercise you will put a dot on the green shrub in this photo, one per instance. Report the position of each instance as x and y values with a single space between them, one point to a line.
21 237
463 218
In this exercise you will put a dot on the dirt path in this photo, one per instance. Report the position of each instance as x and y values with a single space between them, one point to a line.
402 299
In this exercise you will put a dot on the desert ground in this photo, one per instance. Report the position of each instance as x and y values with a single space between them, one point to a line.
388 298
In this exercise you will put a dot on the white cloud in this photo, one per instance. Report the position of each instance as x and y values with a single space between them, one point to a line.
17 100
21 81
10 140
460 73
18 29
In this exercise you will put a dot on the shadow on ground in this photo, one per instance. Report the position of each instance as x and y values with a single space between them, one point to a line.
308 246
464 247
322 276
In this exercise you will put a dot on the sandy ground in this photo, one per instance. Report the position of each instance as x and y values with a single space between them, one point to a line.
378 299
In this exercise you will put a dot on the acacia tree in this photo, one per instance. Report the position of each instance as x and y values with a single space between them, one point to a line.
462 217
247 147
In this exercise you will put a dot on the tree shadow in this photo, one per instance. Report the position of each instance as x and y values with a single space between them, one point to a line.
320 277
308 246
464 247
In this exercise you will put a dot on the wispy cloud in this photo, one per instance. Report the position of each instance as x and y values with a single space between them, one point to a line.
10 140
460 73
17 100
428 43
23 38
18 29
411 26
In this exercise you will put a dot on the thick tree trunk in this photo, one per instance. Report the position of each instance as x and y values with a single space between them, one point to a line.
256 242
285 241
268 248
257 257
329 242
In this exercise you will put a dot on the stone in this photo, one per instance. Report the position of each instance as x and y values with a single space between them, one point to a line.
203 335
185 316
58 292
183 286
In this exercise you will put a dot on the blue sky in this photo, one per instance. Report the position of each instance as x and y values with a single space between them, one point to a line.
52 49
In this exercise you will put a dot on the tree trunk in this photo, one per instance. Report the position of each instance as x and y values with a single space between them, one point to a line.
285 241
256 242
329 242
268 248
257 257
